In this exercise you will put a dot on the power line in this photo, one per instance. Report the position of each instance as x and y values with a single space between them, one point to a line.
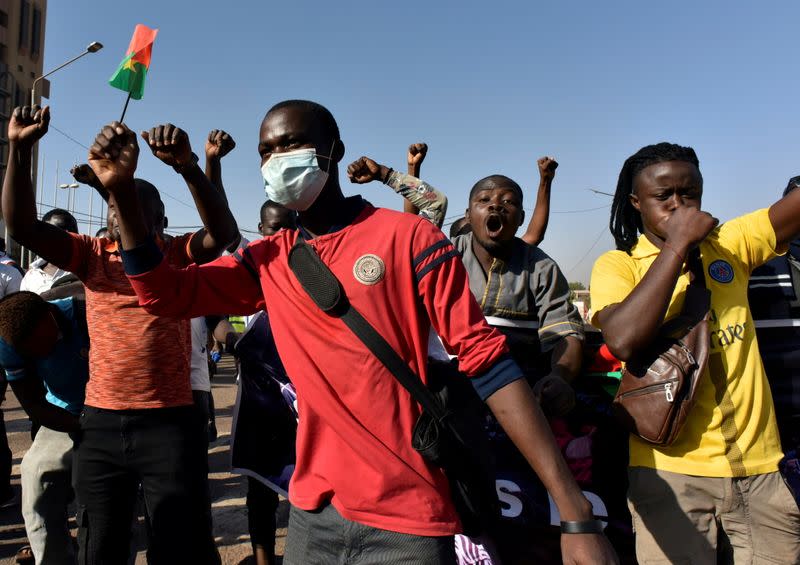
599 235
69 137
580 211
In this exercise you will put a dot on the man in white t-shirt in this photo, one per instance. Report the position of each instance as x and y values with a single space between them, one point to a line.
41 275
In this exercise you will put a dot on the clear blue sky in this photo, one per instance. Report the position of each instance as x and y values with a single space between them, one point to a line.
490 86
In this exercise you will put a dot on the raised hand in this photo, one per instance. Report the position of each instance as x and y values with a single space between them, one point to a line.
416 155
686 227
113 156
219 144
84 174
366 170
169 144
547 168
28 125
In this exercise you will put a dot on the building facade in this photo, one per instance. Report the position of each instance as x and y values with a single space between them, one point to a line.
22 26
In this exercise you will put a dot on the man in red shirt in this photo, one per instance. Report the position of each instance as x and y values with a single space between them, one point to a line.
139 424
359 487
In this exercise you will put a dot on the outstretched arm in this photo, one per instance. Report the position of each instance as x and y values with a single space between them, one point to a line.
171 145
431 203
541 211
26 127
785 218
218 144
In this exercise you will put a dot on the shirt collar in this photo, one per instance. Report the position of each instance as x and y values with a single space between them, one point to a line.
354 205
644 248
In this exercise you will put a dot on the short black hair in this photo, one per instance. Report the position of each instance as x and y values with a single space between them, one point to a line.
496 180
626 222
320 113
20 312
101 231
71 224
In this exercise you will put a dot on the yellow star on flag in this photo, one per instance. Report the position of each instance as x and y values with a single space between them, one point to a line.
130 65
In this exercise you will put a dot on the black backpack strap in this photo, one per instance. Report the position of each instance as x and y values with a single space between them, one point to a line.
326 291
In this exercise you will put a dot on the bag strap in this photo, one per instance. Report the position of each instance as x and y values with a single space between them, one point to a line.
697 301
326 291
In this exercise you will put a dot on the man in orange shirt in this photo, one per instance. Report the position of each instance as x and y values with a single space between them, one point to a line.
139 424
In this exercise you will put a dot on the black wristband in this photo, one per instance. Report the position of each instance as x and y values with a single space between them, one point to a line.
582 527
388 174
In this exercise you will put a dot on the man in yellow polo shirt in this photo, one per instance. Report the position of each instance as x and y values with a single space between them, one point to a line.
714 492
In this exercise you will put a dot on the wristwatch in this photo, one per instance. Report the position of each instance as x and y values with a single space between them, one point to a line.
181 169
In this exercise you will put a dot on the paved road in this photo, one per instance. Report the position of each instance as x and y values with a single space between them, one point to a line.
227 491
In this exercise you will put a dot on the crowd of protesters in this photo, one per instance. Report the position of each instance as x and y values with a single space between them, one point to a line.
104 341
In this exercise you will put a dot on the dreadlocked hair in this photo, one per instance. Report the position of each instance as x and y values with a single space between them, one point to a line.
626 222
20 312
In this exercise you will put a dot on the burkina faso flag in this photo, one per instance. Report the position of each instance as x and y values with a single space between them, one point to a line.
131 72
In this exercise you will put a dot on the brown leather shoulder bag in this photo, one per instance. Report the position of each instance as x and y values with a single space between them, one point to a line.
659 385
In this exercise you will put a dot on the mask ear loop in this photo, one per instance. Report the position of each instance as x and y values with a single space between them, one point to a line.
330 157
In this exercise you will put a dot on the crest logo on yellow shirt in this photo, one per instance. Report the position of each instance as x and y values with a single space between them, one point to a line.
721 271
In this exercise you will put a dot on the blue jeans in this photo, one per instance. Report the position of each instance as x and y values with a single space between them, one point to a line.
165 450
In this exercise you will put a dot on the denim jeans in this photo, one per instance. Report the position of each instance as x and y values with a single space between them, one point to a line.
164 449
324 537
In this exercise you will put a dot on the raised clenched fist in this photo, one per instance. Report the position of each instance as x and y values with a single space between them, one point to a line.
365 170
28 125
219 144
170 144
547 168
114 155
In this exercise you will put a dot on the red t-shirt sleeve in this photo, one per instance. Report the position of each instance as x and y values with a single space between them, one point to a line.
443 286
228 285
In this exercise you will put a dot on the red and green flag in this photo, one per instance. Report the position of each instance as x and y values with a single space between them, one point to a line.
133 69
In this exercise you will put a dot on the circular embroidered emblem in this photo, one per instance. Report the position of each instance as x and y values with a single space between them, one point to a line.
721 271
369 269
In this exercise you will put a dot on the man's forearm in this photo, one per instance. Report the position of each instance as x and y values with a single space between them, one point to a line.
214 174
212 207
540 216
423 196
132 227
567 358
518 412
19 207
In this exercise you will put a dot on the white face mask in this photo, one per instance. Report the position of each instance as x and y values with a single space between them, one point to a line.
294 179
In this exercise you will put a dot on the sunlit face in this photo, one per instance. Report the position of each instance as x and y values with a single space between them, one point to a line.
495 213
289 129
662 188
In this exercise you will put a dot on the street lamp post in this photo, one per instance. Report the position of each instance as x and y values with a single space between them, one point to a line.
70 195
93 47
